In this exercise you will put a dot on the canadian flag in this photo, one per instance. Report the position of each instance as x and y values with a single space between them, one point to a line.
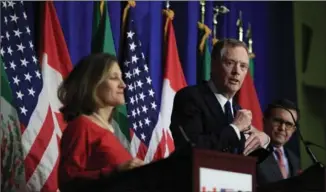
55 65
173 81
162 144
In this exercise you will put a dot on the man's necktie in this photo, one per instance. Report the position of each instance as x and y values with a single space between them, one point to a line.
228 112
229 117
281 163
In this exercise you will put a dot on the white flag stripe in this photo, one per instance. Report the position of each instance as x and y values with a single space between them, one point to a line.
36 122
134 146
45 166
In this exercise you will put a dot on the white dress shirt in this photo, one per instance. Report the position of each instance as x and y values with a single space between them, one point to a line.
222 101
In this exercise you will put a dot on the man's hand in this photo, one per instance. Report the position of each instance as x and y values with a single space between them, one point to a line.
242 119
256 140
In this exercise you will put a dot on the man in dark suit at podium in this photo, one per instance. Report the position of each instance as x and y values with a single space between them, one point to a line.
279 125
208 116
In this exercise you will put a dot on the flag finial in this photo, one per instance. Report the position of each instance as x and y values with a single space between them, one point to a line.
250 42
169 16
240 26
218 10
202 3
125 13
167 5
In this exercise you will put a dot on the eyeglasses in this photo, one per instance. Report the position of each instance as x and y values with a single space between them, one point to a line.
278 122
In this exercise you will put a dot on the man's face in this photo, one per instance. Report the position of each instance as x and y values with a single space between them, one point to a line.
231 71
280 126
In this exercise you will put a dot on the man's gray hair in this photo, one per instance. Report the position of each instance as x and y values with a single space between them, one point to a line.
221 47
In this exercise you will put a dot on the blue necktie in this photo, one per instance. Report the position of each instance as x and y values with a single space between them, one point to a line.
228 112
229 117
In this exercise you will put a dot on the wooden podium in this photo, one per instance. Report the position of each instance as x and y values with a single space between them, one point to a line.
187 169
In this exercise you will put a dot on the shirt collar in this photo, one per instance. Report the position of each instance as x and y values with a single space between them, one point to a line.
221 98
281 148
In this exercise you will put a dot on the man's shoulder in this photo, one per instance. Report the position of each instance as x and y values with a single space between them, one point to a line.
193 89
290 152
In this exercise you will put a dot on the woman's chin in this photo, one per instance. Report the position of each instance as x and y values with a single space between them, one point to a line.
116 103
121 102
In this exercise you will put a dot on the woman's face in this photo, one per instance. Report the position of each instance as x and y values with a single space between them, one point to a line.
111 90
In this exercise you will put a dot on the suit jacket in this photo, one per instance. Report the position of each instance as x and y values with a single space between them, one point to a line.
197 111
268 171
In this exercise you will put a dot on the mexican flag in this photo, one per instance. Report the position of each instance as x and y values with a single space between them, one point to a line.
248 99
12 158
251 68
102 41
204 56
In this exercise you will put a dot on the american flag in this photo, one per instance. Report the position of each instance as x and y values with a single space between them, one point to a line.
39 141
142 106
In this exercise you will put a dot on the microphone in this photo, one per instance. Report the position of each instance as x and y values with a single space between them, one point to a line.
308 150
184 135
316 145
183 151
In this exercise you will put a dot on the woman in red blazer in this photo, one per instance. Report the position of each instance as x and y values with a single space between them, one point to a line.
89 148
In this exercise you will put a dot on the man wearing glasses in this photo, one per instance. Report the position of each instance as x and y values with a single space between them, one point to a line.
279 123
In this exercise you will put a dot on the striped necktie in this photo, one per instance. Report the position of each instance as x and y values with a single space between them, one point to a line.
281 163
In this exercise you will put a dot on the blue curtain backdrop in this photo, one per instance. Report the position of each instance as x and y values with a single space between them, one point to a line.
272 27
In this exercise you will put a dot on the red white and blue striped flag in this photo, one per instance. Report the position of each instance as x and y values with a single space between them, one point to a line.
34 89
39 140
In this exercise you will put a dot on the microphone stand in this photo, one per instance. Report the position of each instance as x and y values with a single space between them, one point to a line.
307 148
316 145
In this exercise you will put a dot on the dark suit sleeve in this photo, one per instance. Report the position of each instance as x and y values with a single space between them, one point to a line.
188 113
262 154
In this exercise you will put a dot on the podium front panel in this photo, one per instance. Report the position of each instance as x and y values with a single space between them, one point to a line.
213 171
